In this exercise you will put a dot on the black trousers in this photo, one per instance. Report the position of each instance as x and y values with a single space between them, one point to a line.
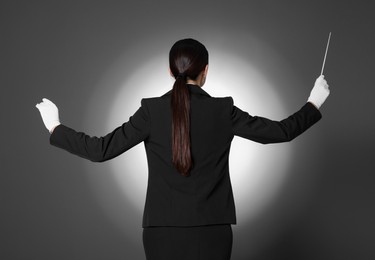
211 242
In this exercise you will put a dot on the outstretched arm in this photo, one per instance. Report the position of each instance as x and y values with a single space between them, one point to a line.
263 130
97 149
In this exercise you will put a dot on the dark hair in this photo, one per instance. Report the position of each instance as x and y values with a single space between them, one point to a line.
187 59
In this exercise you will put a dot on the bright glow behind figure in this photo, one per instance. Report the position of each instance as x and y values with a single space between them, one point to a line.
257 171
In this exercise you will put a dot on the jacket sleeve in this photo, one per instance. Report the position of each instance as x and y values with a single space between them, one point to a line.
263 130
99 149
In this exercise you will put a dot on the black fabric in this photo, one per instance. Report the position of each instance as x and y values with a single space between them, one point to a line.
205 197
212 242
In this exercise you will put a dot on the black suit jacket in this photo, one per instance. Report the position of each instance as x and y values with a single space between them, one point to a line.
205 197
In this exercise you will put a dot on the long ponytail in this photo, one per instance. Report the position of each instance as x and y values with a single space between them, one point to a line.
187 58
180 104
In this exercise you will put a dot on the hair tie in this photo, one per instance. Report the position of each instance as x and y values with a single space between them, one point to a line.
181 75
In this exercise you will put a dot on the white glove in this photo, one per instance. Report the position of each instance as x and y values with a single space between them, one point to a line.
320 92
49 113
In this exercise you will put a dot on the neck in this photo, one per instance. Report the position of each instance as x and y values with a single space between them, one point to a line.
193 82
199 81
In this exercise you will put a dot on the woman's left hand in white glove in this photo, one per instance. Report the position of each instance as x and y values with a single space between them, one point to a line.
319 93
50 114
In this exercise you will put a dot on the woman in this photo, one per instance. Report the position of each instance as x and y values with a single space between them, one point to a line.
187 134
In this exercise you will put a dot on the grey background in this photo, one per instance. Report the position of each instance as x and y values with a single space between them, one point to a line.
62 49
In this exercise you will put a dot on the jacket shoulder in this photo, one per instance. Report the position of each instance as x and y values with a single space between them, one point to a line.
152 101
222 101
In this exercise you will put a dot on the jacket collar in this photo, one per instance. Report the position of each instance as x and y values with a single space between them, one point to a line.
197 90
194 89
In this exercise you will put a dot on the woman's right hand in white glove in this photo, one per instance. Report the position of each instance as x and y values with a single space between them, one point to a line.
319 93
49 113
